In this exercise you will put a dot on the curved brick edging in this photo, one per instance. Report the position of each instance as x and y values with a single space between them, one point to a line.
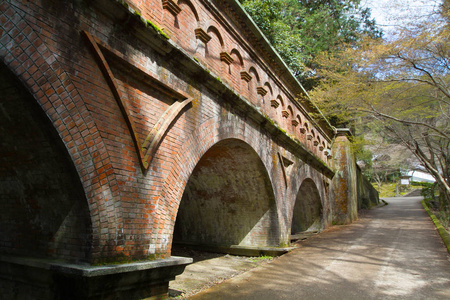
442 232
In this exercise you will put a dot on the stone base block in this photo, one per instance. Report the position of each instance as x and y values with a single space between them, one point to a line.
241 250
35 278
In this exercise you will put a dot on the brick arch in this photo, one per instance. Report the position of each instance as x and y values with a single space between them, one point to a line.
228 199
278 108
307 129
269 88
282 103
253 84
214 48
43 209
235 69
213 25
52 88
194 147
252 71
191 7
186 23
297 122
237 54
291 111
308 210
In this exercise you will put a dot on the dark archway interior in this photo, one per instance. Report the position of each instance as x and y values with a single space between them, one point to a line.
43 209
308 209
228 200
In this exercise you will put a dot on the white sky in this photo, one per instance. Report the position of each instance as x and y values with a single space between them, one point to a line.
391 13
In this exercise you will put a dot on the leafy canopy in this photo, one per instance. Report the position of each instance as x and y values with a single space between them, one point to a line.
301 29
402 85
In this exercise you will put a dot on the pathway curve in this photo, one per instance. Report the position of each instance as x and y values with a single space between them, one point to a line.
394 252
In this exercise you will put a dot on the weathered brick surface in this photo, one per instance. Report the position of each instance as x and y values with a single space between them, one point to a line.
213 58
44 210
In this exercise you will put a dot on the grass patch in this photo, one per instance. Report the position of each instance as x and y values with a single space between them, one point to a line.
442 232
261 258
387 190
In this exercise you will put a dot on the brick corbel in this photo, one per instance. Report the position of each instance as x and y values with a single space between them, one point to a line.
261 91
171 6
294 123
321 148
226 58
285 113
245 76
202 35
274 103
309 137
316 143
303 130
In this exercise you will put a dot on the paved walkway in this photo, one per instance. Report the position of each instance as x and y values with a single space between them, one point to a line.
394 252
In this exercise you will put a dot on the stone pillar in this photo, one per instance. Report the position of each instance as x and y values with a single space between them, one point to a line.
344 185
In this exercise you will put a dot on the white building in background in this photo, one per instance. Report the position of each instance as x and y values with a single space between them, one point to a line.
420 176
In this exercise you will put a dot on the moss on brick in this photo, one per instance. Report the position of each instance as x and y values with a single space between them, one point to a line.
157 29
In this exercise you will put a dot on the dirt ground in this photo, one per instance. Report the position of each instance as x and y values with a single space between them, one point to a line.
209 269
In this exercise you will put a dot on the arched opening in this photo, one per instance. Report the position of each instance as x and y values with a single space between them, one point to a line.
307 215
228 201
43 208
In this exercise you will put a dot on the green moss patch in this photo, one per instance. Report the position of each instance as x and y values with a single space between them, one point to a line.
443 233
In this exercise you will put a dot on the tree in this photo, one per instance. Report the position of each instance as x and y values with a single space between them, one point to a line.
403 85
301 29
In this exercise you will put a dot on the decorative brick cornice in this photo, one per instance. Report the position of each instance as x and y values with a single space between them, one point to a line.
261 91
274 103
202 35
285 113
226 58
294 123
171 6
245 76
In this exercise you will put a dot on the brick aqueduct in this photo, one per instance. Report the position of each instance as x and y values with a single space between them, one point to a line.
127 127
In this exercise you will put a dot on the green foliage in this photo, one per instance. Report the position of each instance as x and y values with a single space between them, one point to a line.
301 29
399 86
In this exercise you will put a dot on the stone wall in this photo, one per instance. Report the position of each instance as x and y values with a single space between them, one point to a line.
367 194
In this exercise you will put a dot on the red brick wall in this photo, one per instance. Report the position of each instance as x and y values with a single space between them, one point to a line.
43 207
132 210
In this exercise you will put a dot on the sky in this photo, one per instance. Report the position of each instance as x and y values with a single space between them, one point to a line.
392 13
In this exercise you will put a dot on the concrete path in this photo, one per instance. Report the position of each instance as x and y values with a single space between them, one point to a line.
394 252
